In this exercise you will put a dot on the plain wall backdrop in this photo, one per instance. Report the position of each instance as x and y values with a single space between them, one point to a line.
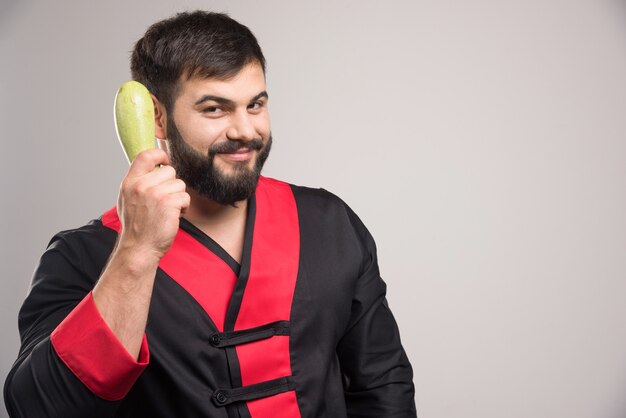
483 143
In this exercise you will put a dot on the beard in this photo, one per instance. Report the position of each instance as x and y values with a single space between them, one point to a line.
199 171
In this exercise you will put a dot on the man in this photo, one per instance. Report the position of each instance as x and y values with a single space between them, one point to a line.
210 291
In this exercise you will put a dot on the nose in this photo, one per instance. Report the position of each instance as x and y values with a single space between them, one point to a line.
241 127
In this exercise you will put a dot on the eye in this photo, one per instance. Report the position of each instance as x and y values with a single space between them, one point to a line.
212 110
256 105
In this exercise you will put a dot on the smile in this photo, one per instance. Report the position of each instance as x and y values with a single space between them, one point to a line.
240 155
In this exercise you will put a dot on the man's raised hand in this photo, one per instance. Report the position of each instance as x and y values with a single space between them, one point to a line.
150 203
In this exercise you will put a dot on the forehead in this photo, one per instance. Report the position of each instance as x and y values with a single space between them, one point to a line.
244 85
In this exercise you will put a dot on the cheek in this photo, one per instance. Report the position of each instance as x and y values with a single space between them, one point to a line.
264 127
202 134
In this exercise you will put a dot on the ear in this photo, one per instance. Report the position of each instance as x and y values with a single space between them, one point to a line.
160 119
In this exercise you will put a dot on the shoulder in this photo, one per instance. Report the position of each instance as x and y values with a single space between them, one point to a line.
77 252
73 260
330 227
323 202
321 210
309 201
319 198
89 235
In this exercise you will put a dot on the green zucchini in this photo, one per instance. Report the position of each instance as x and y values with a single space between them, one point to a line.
134 119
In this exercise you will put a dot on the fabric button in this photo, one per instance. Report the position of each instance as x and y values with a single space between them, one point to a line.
220 397
215 340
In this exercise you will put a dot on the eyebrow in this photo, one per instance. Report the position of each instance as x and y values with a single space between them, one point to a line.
227 102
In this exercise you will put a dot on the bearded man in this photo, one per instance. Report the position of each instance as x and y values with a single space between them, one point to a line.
210 291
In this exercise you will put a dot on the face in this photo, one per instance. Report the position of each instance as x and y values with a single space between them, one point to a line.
219 132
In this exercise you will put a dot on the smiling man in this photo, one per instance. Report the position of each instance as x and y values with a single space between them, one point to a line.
209 111
209 290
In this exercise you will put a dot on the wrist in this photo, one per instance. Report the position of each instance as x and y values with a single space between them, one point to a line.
135 259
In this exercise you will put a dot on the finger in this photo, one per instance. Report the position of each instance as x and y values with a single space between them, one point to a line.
140 185
180 200
172 186
146 161
158 176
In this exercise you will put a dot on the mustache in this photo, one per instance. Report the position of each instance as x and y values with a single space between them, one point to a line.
233 146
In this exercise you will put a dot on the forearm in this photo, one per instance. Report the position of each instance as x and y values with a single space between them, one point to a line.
123 293
379 377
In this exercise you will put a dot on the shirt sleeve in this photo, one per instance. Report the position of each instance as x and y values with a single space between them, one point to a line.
70 363
378 378
88 347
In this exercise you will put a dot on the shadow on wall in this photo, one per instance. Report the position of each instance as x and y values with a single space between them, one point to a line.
621 5
7 8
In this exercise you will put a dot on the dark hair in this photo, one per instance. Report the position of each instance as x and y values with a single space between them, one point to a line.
191 44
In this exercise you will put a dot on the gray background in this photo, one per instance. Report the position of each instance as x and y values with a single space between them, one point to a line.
482 142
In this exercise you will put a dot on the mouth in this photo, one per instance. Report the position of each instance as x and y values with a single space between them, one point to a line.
243 154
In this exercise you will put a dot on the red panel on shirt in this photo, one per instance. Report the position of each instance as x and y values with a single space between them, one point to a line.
201 273
110 219
283 405
271 365
89 348
269 293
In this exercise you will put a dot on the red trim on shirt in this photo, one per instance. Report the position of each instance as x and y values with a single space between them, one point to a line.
89 348
271 364
283 405
205 276
110 219
269 293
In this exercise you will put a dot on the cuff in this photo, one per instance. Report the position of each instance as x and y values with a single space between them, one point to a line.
89 348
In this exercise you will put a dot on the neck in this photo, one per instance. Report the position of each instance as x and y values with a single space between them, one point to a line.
205 213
